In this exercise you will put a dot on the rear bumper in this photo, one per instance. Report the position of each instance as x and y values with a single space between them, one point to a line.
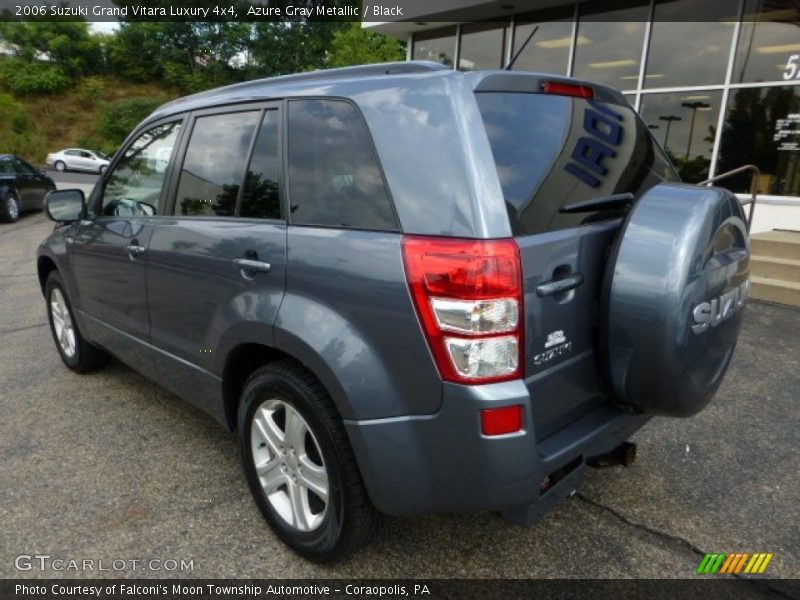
442 463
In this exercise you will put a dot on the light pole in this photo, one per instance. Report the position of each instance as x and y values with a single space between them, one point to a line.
694 106
669 119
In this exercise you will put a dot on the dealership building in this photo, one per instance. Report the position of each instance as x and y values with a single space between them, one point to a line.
718 83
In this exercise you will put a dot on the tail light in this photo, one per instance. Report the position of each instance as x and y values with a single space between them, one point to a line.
468 296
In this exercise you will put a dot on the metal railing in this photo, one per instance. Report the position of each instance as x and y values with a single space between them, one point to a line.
753 187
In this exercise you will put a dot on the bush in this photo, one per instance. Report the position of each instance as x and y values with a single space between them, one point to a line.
27 79
117 119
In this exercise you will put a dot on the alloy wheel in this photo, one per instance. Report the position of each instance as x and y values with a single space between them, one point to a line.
62 323
12 207
289 465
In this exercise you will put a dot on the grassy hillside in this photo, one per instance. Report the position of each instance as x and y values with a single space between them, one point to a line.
96 113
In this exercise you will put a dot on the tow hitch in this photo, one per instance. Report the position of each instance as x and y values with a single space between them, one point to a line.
624 455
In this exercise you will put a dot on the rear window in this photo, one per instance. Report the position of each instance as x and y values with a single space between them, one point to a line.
551 151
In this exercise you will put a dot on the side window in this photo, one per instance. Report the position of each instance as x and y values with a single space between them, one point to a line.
214 165
261 195
71 153
334 176
23 167
7 166
135 185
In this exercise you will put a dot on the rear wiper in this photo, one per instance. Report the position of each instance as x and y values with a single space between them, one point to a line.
600 203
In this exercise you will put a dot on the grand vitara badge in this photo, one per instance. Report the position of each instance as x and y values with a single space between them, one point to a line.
555 346
712 313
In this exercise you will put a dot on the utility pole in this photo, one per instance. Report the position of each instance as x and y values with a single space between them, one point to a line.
694 106
669 119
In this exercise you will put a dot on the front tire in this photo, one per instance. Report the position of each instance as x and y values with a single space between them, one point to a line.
60 166
300 466
76 353
10 209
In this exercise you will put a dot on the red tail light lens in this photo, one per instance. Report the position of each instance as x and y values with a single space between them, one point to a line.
560 88
468 295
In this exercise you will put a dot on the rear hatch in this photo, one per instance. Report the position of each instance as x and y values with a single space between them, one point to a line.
557 144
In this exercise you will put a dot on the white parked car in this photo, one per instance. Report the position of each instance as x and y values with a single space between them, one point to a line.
78 159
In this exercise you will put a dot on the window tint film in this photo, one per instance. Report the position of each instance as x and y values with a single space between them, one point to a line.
261 196
24 167
214 165
135 185
552 151
334 176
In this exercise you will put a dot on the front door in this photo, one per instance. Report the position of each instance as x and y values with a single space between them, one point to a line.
109 249
217 267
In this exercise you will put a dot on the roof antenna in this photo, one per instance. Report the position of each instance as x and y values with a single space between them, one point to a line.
521 49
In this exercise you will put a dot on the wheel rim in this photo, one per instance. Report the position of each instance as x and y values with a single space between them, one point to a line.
60 166
13 207
289 465
62 323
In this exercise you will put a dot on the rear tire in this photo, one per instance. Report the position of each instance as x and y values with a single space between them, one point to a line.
10 209
76 353
275 396
60 166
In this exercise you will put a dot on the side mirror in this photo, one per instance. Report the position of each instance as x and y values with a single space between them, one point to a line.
64 206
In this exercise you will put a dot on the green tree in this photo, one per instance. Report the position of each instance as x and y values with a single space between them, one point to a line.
355 45
66 45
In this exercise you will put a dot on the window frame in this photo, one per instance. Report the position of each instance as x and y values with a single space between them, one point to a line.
260 108
95 203
287 192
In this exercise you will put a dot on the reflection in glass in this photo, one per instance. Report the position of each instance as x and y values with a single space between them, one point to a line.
762 126
548 50
135 185
685 124
214 165
261 197
482 46
609 43
768 39
334 176
438 46
690 42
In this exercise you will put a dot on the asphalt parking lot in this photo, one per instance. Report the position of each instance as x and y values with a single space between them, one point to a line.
110 466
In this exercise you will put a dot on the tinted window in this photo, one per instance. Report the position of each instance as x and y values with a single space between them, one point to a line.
552 151
7 166
261 197
762 126
609 43
334 177
214 165
690 42
438 46
135 185
24 167
482 46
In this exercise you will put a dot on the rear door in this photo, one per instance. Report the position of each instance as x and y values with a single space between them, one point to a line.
32 185
217 266
553 152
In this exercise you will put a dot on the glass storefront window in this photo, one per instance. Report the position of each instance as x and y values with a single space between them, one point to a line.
769 44
548 50
609 43
482 46
690 42
762 126
438 46
685 124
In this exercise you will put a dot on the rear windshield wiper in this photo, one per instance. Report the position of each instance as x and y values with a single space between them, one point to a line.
614 201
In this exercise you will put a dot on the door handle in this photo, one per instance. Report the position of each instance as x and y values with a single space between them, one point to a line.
135 250
558 286
248 265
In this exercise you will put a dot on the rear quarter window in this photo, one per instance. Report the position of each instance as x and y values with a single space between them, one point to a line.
335 179
551 151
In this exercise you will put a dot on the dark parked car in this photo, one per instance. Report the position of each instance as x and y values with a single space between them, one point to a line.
22 187
407 288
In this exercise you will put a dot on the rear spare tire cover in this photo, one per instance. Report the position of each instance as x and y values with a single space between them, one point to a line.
674 290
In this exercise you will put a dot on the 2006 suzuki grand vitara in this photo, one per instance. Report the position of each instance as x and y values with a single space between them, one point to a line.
408 289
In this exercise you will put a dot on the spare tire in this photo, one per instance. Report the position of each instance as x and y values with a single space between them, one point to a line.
673 294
